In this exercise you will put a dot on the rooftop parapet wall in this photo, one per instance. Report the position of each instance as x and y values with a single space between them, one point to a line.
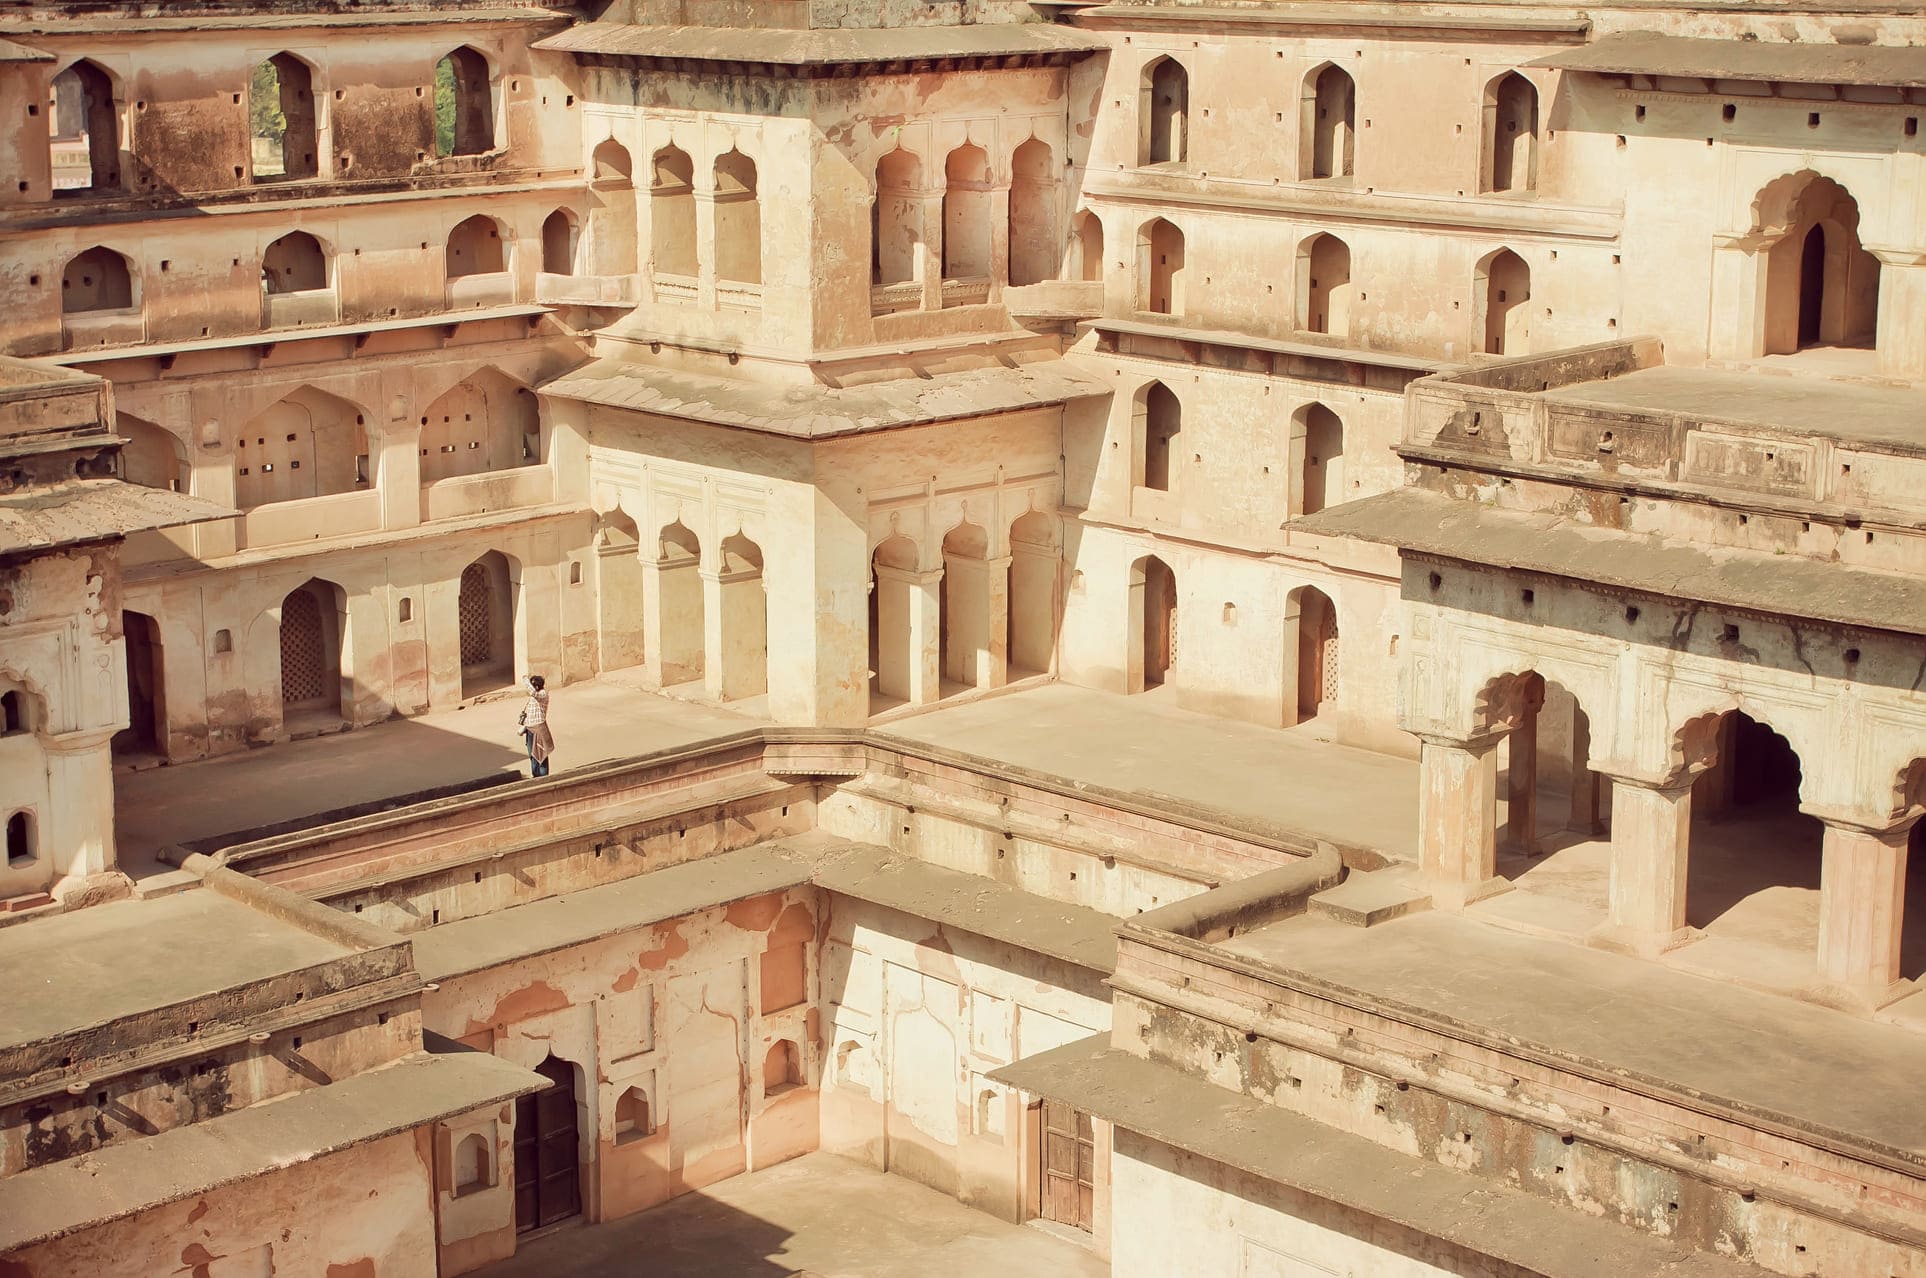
1616 416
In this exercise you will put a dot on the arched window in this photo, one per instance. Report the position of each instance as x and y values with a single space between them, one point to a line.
472 1164
1033 213
632 1121
487 422
1323 459
1160 268
558 243
1324 286
1821 285
1164 113
464 104
309 444
781 1068
96 280
13 712
475 248
672 213
281 118
85 132
1088 245
293 264
1328 128
738 220
967 201
152 457
1163 421
21 851
896 219
612 228
1511 134
1506 284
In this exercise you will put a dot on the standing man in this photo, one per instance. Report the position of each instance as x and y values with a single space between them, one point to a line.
534 723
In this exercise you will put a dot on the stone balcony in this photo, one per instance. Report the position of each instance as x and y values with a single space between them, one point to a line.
587 290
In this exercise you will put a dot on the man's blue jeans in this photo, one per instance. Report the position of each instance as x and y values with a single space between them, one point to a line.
536 767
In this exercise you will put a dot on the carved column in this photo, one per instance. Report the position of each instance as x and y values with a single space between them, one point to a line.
1458 819
1862 899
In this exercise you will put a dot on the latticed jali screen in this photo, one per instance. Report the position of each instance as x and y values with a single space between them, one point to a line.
302 657
477 638
1328 667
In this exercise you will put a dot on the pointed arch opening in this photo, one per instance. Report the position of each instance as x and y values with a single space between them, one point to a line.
1152 630
486 604
464 104
98 279
1821 285
680 622
742 665
1328 124
672 219
85 131
1033 214
488 421
1160 416
1320 436
1163 113
282 121
1511 134
897 634
974 630
146 730
896 220
1035 566
313 675
1086 244
548 1155
475 248
1504 291
967 202
1311 641
620 584
295 263
558 243
308 444
1160 268
153 456
738 220
1324 289
613 231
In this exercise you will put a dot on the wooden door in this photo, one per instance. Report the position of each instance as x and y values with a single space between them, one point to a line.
1069 1166
547 1175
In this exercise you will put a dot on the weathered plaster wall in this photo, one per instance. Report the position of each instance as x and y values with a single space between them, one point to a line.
356 1214
918 1012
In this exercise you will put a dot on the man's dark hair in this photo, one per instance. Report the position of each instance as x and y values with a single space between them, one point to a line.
537 681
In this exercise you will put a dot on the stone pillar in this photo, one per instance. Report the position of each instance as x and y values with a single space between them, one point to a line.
999 242
1584 813
1902 312
1521 785
1458 819
1862 899
397 474
1651 838
929 269
925 639
735 613
705 212
1738 296
673 636
76 829
620 592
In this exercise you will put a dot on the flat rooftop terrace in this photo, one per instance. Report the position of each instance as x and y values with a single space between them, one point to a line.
1853 412
90 967
1630 1020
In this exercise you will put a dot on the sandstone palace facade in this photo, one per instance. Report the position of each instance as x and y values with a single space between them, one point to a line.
1295 632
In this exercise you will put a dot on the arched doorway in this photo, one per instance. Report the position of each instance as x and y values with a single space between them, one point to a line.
1032 614
743 664
1511 133
146 730
1329 123
486 617
680 625
1314 616
1164 112
895 598
967 606
311 649
1321 475
1153 630
1506 281
1160 268
619 590
1821 285
548 1159
1324 285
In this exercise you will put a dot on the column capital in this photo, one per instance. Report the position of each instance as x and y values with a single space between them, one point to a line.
1878 825
76 742
1481 744
1896 255
908 576
1667 783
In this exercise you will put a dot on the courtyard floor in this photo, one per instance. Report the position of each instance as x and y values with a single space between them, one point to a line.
607 718
818 1215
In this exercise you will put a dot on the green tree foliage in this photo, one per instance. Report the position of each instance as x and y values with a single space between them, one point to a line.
264 104
445 107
